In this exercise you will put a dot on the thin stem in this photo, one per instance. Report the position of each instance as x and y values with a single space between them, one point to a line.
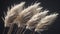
32 32
5 30
10 29
24 31
15 30
19 29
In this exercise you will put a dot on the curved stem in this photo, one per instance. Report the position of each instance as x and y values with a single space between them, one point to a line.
24 31
10 29
19 29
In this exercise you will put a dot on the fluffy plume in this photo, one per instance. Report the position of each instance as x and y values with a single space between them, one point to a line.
26 14
44 22
35 19
12 13
39 9
32 17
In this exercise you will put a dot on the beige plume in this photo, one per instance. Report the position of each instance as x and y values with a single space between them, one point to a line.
26 14
32 17
44 22
35 19
12 13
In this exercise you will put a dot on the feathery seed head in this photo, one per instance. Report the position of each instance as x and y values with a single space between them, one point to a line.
35 19
27 13
44 22
12 13
31 17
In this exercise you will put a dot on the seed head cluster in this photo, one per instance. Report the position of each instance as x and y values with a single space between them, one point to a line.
30 18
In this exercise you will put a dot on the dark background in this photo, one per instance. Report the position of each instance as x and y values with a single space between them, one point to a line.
52 5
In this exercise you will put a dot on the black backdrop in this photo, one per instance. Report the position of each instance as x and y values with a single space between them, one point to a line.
52 5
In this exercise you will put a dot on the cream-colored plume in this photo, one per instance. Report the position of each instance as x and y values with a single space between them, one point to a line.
26 14
35 19
44 22
13 13
32 17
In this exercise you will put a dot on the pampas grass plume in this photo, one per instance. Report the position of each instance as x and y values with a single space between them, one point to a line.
44 22
32 17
